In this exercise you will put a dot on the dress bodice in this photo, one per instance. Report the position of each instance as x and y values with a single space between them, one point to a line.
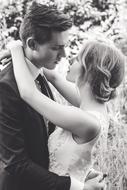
67 157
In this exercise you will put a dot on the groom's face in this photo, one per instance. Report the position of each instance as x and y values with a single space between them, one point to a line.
49 54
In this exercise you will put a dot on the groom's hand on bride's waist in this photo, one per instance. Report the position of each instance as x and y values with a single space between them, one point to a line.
92 174
96 183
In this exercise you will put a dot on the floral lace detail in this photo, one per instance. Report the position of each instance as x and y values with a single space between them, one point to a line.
100 148
69 158
56 139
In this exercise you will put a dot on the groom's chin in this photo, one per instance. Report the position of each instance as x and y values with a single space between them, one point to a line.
51 67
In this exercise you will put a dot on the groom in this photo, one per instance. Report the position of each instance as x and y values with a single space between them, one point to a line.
24 156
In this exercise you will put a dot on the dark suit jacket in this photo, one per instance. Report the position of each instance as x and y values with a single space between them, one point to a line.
23 143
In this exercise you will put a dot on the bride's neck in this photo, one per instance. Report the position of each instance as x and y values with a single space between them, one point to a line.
88 101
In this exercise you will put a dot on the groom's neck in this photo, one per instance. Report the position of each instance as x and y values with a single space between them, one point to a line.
32 67
28 54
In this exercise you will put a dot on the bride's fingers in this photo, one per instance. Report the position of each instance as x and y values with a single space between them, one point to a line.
5 54
15 44
102 185
6 61
100 178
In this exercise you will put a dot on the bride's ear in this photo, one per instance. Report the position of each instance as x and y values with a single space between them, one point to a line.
31 43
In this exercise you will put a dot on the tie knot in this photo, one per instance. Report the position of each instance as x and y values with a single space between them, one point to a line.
38 78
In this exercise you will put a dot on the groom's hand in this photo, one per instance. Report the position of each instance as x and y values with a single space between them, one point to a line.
94 173
96 183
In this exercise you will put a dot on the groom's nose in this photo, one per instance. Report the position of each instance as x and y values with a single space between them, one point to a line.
62 52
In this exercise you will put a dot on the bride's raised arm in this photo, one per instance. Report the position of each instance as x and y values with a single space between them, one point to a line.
70 118
65 88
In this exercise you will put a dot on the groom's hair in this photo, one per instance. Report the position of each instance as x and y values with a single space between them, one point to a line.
41 20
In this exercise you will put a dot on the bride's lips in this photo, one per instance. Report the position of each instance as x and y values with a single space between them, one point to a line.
68 70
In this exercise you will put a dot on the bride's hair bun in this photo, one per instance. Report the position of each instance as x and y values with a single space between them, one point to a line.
103 68
101 85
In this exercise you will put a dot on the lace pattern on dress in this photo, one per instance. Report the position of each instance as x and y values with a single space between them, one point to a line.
56 140
69 158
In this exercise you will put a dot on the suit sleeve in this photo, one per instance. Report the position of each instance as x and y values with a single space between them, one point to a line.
12 147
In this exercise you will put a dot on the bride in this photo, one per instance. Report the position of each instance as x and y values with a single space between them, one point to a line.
97 71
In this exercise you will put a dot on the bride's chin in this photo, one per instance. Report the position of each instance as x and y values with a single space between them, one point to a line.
68 78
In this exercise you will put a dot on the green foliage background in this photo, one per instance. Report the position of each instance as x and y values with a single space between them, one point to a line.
92 19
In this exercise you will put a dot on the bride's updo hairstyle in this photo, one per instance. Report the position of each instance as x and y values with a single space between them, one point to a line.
103 67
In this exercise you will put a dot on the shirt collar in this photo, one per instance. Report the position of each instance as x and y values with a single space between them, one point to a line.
33 69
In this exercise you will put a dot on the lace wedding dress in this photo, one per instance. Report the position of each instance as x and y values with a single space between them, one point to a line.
67 157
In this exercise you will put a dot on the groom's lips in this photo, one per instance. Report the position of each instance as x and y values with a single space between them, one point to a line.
56 62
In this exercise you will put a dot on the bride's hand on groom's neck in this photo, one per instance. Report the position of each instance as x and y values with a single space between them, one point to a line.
5 55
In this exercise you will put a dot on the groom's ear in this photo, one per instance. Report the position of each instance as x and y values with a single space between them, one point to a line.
31 43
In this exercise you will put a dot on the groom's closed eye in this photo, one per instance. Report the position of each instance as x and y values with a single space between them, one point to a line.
58 47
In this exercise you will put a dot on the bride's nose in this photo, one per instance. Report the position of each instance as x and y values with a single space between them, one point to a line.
70 62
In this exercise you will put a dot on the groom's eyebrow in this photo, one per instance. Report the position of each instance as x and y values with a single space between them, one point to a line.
59 46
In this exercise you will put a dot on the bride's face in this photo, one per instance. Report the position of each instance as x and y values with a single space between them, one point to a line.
74 70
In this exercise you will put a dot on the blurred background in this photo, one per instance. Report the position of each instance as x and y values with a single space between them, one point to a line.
91 19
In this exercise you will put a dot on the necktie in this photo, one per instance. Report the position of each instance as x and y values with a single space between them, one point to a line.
45 89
